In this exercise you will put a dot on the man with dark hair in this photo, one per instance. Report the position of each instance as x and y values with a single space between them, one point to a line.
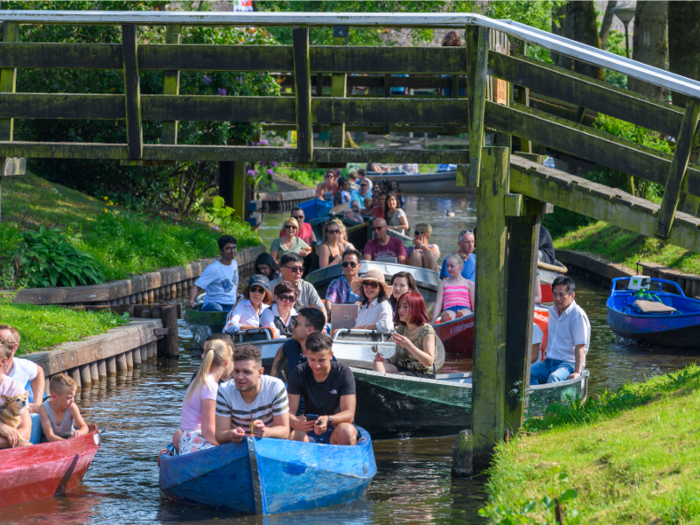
339 291
219 280
308 321
292 268
305 231
328 389
251 403
568 337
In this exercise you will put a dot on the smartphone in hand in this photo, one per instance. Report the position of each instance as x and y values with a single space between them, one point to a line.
311 417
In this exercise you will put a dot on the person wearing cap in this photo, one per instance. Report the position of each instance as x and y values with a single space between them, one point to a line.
375 312
246 314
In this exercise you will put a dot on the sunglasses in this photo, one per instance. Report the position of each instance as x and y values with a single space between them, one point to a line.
328 176
378 228
294 269
287 298
365 185
417 233
370 284
298 217
257 289
333 232
350 264
290 227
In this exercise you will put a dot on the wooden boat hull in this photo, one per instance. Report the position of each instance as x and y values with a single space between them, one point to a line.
401 406
678 330
45 470
421 183
269 476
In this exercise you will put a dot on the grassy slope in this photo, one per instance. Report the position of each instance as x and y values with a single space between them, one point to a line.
639 465
625 247
46 326
124 245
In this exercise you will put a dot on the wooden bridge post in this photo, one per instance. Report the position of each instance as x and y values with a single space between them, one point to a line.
336 138
490 307
171 86
8 84
132 91
232 186
477 62
302 93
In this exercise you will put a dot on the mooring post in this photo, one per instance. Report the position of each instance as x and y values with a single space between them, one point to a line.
490 305
169 318
524 235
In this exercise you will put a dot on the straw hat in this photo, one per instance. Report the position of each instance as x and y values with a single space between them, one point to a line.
371 275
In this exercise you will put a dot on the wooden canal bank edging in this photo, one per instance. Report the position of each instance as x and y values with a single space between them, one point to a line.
273 202
150 287
116 351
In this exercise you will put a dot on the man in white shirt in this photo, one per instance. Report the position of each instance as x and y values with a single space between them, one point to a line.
568 337
23 371
292 268
251 403
219 280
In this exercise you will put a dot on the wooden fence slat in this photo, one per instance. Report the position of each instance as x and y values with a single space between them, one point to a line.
302 93
336 136
8 84
171 86
676 173
477 61
132 90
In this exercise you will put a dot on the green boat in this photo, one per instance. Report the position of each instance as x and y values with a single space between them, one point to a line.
203 324
395 406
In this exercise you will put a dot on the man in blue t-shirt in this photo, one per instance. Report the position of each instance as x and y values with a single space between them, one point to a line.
466 250
219 280
308 321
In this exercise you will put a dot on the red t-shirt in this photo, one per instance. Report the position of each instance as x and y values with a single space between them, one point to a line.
378 212
304 234
394 248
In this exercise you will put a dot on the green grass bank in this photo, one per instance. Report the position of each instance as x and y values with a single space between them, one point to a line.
121 243
632 456
42 327
622 246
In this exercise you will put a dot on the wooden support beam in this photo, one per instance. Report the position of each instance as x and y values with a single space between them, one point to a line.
132 91
8 80
679 165
232 186
490 306
302 93
477 58
338 90
599 202
587 143
692 205
523 234
171 86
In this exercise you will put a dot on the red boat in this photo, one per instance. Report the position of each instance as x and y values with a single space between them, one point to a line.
45 470
457 335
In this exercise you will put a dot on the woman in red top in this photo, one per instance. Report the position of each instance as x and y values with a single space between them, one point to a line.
378 210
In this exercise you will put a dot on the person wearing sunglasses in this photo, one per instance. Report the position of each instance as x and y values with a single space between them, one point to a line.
292 268
281 314
465 241
330 252
246 314
305 231
375 313
423 254
365 190
219 280
383 246
326 189
289 242
339 291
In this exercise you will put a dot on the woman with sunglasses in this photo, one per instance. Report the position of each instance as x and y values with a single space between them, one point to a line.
246 314
375 312
422 254
394 215
267 266
289 242
401 283
415 339
331 251
326 189
281 314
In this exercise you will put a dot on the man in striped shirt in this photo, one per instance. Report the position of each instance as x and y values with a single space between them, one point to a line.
251 403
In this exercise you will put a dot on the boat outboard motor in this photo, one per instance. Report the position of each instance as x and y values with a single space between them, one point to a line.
639 282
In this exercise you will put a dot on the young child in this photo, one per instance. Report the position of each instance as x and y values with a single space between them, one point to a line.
60 415
198 418
455 295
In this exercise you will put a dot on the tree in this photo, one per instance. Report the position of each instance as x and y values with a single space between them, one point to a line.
684 59
607 23
649 44
580 24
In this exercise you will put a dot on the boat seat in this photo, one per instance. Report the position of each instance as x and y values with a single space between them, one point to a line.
652 307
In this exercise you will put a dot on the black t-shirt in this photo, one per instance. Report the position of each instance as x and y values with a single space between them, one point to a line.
546 246
323 398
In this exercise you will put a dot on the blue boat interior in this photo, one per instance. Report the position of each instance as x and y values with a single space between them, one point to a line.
622 299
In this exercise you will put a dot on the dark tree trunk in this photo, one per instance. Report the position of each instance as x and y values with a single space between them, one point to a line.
649 44
607 23
581 25
683 38
558 14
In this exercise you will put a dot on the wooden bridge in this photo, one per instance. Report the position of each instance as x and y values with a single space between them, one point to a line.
512 188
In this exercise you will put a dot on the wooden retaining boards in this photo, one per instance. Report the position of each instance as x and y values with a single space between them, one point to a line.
593 263
598 201
112 343
287 195
118 290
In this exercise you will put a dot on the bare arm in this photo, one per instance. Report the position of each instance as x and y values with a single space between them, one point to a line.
580 352
535 353
297 423
438 301
226 434
81 427
425 355
194 292
402 259
38 391
209 420
278 364
538 290
367 257
279 428
273 254
472 292
323 252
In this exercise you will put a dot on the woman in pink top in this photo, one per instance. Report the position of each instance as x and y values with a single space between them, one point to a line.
199 408
455 295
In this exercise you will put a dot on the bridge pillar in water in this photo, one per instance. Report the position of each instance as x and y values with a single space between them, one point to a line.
232 186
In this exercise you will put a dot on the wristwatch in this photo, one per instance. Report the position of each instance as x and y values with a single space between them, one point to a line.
330 420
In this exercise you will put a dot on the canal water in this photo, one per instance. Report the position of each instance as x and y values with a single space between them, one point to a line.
139 411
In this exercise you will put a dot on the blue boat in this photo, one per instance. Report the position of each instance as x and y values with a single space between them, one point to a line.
678 327
269 476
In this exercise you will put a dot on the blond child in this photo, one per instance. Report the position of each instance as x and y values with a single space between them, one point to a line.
197 422
60 416
455 295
